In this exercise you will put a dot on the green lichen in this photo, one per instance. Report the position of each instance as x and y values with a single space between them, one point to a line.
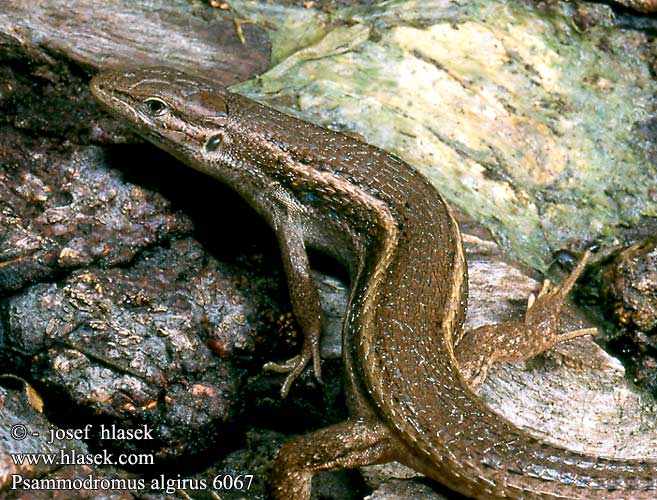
514 114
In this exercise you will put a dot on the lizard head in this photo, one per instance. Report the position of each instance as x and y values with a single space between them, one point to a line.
184 115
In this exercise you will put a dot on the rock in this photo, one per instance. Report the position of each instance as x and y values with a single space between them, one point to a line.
159 343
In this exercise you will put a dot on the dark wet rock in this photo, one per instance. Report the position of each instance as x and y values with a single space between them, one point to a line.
629 288
23 430
45 102
61 210
28 438
157 343
72 480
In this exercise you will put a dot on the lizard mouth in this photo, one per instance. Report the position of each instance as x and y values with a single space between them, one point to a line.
105 91
99 88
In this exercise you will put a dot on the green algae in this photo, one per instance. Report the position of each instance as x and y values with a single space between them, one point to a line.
515 114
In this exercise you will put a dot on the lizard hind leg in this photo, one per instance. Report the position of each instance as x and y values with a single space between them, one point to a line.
346 445
515 341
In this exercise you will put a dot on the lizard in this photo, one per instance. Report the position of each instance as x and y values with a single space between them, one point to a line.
406 379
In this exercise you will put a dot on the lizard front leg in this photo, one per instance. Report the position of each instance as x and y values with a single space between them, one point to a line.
304 298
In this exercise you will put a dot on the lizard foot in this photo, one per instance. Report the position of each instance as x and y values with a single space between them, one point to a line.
515 341
295 366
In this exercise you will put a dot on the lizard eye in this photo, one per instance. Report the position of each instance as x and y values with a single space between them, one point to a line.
155 107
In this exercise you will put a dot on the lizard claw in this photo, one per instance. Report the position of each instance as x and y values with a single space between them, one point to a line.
546 288
295 366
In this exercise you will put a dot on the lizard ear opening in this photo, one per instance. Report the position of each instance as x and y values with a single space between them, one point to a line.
214 143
